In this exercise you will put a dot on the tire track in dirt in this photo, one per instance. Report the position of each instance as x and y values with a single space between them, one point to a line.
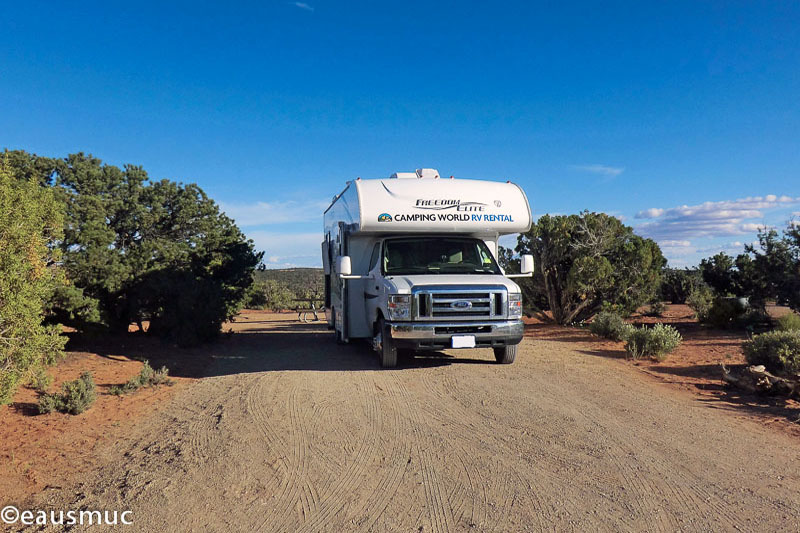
399 456
439 508
648 492
334 502
659 485
295 490
204 424
449 410
289 488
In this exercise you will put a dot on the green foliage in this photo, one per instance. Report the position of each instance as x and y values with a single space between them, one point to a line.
75 397
273 295
30 221
301 282
774 270
147 377
41 379
585 261
656 308
139 250
700 299
656 342
725 312
789 322
611 326
676 285
730 313
282 289
718 273
779 351
768 270
505 256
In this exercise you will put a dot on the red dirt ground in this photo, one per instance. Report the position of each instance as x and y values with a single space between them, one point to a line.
694 367
38 452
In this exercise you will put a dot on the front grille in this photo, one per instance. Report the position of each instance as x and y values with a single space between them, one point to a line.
458 303
451 330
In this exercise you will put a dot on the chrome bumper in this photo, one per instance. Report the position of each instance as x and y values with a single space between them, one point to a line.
438 335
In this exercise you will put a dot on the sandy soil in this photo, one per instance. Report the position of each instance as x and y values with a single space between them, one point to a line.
290 432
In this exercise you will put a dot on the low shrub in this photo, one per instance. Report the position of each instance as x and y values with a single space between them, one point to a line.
656 342
147 377
779 351
699 300
725 313
40 380
790 322
611 326
657 309
75 396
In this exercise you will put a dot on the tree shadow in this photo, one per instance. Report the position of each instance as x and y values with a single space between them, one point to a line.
282 345
731 400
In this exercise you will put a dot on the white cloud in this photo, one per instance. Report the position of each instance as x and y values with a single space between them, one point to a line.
260 213
675 244
600 169
303 5
709 219
285 250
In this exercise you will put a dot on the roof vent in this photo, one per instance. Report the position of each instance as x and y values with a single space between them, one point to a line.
429 173
420 173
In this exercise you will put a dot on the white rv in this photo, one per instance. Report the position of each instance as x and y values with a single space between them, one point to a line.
411 263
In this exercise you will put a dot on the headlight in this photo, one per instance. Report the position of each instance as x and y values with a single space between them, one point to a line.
399 306
514 305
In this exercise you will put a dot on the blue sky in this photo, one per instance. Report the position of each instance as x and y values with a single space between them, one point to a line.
682 118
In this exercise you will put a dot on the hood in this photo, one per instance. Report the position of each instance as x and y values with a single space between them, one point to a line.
404 284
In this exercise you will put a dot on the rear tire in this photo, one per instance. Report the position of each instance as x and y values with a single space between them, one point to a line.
388 351
506 354
336 333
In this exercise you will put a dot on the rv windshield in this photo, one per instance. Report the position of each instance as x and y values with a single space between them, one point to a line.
437 255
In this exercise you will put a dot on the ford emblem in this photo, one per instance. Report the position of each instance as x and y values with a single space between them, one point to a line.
461 304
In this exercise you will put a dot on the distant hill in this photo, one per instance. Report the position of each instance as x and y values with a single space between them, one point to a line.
303 282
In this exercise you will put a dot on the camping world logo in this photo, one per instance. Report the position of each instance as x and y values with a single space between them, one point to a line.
384 217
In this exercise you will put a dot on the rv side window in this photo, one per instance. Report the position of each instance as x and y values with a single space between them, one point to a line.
376 253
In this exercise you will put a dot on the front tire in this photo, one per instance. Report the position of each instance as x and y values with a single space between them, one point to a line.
506 354
387 351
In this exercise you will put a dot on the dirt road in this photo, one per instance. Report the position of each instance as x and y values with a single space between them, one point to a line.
290 432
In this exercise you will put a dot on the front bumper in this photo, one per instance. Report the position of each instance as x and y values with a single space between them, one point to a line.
438 335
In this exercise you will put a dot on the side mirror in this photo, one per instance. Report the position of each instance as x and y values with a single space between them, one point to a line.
527 264
344 266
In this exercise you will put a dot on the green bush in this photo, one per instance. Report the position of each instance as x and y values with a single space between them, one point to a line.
779 351
75 396
676 285
656 342
725 313
30 223
790 322
657 308
41 380
699 300
611 326
147 377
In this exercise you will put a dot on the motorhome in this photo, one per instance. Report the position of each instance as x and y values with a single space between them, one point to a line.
411 263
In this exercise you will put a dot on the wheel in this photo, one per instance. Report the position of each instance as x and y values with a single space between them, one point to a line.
383 343
336 333
506 354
